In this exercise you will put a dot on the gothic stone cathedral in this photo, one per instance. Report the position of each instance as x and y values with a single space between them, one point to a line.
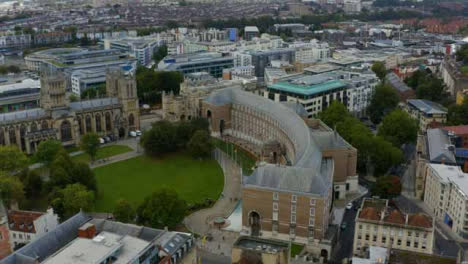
59 119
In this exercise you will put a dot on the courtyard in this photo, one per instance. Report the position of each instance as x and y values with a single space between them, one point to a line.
135 178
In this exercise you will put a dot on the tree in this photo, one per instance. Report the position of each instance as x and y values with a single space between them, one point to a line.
82 173
384 100
387 187
160 139
458 114
94 92
431 89
71 199
380 70
398 128
162 208
73 98
32 184
124 211
334 114
200 145
48 150
61 170
11 189
12 159
151 84
462 53
160 53
90 144
383 155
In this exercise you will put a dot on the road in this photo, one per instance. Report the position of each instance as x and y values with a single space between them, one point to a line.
344 246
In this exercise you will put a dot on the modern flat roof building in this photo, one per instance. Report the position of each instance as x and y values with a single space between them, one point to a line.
20 95
316 92
140 48
211 62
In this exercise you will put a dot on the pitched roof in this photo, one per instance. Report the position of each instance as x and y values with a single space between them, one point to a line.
458 130
23 221
395 217
369 213
419 220
427 106
437 143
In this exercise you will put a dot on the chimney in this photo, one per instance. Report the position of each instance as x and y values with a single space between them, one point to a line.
87 230
406 219
443 161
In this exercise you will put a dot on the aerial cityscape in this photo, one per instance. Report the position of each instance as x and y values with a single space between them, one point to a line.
233 131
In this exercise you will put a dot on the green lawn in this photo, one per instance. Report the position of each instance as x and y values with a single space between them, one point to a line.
244 158
136 178
296 249
104 152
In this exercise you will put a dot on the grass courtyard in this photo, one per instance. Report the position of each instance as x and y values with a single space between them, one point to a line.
104 152
136 178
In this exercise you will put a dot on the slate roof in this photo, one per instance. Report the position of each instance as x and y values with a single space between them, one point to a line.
437 144
396 83
427 107
48 243
29 114
92 104
309 173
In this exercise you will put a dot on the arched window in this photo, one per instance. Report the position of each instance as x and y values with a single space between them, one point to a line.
108 122
80 125
44 125
2 137
12 135
88 124
22 138
65 131
131 120
33 127
98 123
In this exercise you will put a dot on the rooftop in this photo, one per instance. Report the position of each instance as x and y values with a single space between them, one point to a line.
379 210
24 84
439 146
452 174
457 130
23 220
427 107
308 88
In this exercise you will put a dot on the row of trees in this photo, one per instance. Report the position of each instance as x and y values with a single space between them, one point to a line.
427 86
151 84
165 137
9 69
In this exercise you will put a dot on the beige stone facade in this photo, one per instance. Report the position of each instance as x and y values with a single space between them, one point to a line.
67 122
379 224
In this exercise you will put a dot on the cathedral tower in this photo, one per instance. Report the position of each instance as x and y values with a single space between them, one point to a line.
53 90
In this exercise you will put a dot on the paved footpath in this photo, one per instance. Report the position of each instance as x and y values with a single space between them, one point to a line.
199 221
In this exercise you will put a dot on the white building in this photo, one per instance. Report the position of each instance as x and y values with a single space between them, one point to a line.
316 92
311 51
352 6
25 226
445 194
141 48
84 79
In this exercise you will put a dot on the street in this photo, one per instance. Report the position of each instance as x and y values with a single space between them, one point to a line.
344 247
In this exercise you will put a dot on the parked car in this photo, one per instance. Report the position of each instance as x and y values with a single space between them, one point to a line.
138 132
102 141
132 133
349 206
107 139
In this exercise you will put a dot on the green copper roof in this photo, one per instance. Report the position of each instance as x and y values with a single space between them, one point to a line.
307 89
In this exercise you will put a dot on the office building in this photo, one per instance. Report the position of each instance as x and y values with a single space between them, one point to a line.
445 193
140 48
19 95
316 92
212 62
251 32
263 58
379 224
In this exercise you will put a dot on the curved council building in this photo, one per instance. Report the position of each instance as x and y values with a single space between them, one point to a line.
304 165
